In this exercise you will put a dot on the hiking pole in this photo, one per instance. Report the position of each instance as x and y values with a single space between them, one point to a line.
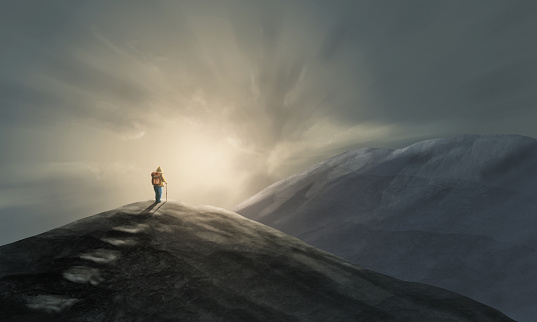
166 191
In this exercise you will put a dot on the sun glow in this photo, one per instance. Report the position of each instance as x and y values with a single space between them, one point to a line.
206 158
199 163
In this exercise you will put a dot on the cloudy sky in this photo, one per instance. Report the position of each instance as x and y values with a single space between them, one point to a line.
229 96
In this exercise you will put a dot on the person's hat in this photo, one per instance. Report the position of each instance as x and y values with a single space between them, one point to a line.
159 169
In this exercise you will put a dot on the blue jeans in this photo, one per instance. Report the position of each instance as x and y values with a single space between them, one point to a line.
158 193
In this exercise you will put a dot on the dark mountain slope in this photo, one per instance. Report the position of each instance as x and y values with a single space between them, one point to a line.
181 263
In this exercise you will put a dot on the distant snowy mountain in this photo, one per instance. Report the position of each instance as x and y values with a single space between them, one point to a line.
172 262
459 213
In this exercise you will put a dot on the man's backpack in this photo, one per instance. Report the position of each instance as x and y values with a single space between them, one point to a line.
156 178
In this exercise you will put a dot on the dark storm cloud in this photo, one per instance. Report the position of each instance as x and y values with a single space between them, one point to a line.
438 61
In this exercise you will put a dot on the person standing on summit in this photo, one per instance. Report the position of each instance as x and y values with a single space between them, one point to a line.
157 179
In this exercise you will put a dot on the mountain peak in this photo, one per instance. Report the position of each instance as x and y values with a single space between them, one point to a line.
171 261
484 159
456 212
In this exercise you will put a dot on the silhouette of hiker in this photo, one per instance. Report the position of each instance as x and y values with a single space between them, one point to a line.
157 179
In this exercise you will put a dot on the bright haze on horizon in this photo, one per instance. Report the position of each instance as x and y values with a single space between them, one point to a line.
231 96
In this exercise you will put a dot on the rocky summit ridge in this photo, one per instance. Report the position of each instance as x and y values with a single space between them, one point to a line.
173 262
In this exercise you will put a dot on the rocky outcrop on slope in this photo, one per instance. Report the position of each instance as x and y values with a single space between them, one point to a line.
458 213
173 262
